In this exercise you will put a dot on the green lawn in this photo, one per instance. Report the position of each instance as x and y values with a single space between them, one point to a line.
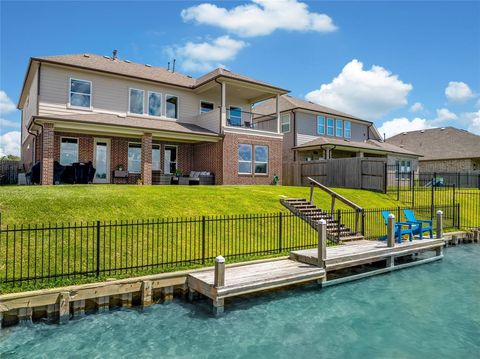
36 204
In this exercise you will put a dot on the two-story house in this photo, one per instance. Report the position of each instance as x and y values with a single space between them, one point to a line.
147 120
314 132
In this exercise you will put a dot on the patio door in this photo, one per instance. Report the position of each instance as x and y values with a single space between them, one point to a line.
101 160
170 162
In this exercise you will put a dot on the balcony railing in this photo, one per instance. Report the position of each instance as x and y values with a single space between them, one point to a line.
250 120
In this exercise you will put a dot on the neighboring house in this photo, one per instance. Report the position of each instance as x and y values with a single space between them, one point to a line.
148 120
313 132
445 149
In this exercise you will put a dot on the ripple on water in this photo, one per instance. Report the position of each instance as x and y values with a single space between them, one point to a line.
430 311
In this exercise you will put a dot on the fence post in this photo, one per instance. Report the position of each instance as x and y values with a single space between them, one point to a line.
398 181
311 193
432 197
458 216
203 239
280 231
322 242
439 224
219 280
98 249
363 222
339 217
391 230
413 194
385 177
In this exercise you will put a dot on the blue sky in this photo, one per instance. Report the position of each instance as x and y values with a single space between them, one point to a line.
371 59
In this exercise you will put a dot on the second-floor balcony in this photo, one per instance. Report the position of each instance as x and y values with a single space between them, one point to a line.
250 120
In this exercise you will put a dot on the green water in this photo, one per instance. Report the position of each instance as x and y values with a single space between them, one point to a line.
429 311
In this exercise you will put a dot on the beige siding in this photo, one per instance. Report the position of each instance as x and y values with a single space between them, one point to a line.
30 108
210 120
110 94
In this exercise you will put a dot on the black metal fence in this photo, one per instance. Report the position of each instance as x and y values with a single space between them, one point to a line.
9 171
31 253
41 252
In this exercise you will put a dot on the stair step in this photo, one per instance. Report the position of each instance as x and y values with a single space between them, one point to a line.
304 206
290 200
352 238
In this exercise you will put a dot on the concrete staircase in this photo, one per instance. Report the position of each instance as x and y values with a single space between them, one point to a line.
336 232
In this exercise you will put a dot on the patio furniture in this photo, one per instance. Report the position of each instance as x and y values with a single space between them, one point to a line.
198 178
121 176
419 226
400 229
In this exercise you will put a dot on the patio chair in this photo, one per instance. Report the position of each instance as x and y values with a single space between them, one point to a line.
400 229
418 225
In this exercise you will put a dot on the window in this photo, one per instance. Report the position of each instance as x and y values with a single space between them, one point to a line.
403 169
261 159
136 101
235 116
244 159
285 122
172 106
155 157
134 157
346 129
80 93
339 128
320 125
68 151
330 126
170 162
206 106
154 104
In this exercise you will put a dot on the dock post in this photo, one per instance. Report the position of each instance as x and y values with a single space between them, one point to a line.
79 308
64 307
219 281
25 316
146 293
439 224
167 294
322 242
391 230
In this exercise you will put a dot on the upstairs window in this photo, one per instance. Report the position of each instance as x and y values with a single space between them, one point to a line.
347 129
80 93
68 151
134 157
154 103
136 101
330 126
339 128
172 106
285 122
320 125
206 106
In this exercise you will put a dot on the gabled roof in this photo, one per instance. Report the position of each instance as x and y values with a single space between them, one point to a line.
439 143
373 145
145 71
288 103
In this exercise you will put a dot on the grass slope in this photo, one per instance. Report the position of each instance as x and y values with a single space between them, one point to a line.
36 204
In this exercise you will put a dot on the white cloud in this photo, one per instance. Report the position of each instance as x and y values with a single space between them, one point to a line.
458 92
472 121
366 93
261 17
204 56
10 143
398 125
444 115
477 105
417 106
6 105
8 123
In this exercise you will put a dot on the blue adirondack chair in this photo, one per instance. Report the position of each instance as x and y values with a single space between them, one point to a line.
400 229
419 226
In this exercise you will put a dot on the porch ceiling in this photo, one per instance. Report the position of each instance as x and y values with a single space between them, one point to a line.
108 124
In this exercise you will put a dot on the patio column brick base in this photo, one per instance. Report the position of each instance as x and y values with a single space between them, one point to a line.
47 153
147 158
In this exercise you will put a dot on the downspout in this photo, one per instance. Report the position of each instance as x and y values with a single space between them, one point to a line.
294 121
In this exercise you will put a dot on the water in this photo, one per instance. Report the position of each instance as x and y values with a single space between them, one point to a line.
430 311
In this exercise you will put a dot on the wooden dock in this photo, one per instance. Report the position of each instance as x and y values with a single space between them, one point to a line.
251 278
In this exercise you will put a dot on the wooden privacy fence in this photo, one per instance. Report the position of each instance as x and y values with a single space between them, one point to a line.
358 172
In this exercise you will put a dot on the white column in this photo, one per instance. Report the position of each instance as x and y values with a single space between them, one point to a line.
279 128
223 114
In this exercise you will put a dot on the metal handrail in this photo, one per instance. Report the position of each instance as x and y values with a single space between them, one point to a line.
334 195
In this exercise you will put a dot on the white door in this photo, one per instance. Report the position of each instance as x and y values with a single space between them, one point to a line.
170 159
102 160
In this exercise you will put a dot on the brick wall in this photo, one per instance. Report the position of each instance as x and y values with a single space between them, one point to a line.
47 154
147 158
209 157
230 159
447 165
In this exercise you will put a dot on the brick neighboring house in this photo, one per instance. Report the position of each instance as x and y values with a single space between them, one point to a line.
148 120
445 149
314 132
